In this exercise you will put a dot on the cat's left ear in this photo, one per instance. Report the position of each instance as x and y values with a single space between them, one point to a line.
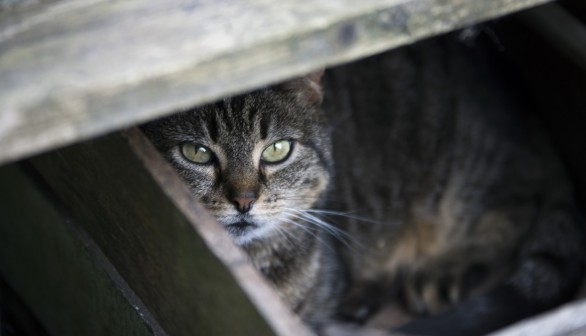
307 88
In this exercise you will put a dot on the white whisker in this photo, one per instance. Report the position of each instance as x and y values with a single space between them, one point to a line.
288 236
335 232
343 214
313 234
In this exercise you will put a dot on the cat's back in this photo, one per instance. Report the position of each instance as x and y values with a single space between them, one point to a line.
435 144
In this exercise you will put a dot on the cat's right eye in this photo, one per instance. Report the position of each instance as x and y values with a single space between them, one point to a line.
196 153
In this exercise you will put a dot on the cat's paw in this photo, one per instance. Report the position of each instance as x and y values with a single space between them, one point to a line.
360 303
431 289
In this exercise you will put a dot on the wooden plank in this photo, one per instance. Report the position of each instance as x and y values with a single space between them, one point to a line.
148 224
58 271
75 69
566 321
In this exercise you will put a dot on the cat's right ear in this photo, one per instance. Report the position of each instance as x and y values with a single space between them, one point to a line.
307 88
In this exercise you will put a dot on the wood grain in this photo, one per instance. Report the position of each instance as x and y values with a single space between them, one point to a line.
74 69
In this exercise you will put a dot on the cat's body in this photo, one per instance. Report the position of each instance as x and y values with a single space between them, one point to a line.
432 147
457 172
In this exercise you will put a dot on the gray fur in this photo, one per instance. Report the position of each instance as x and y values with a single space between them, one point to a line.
431 145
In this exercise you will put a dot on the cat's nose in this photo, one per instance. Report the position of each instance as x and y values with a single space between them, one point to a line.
244 201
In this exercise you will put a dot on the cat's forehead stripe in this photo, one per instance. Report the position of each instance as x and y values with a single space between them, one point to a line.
237 115
212 127
264 126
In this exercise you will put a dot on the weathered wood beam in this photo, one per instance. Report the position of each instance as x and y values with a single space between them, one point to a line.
74 69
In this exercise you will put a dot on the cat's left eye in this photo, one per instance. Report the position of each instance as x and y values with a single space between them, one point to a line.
196 153
277 152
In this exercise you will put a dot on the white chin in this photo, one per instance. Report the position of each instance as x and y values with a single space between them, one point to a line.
255 235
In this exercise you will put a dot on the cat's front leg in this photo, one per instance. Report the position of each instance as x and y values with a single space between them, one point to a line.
444 282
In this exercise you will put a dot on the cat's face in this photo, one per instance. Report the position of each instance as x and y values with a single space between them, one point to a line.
255 161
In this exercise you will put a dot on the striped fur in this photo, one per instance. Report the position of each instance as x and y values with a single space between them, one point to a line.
452 198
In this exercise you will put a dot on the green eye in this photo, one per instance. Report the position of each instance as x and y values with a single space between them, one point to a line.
196 153
277 151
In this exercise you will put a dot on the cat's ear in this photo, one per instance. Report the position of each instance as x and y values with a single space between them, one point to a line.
307 88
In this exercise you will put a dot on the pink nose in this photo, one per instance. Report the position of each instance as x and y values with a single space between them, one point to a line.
244 202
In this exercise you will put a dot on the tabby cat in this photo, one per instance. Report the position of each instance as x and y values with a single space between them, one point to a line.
446 197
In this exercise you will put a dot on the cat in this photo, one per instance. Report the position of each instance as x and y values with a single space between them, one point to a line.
445 195
259 162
